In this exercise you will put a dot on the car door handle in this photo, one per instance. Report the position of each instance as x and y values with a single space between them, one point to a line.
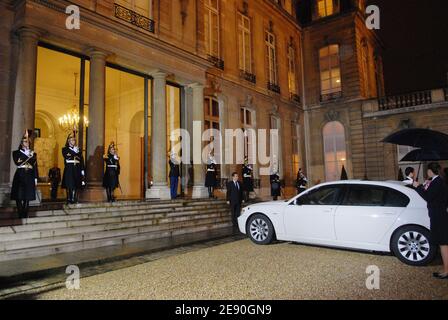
389 213
328 210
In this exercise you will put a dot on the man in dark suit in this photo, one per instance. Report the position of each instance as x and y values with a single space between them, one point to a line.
234 197
435 193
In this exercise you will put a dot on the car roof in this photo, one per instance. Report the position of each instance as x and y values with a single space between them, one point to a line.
415 198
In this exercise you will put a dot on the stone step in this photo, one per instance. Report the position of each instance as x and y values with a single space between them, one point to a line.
36 224
110 241
58 229
106 214
10 214
30 243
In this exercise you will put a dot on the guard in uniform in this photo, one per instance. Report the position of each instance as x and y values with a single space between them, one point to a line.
275 185
54 175
73 177
248 182
301 181
25 179
210 176
112 172
174 174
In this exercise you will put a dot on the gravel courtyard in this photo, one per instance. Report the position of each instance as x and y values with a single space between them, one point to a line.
242 270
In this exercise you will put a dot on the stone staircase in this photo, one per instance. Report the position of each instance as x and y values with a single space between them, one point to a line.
88 226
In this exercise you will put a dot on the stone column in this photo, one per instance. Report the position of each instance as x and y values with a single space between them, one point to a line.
95 138
199 190
159 156
25 87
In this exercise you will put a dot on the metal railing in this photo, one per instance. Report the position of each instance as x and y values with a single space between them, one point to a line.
217 62
274 87
248 76
134 18
295 98
330 96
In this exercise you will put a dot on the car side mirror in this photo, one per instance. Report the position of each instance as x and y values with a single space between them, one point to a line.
299 201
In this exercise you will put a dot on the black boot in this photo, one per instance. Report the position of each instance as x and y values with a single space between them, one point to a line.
25 207
75 196
109 195
19 209
69 196
112 198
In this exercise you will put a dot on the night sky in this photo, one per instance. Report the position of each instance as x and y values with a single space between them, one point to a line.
415 36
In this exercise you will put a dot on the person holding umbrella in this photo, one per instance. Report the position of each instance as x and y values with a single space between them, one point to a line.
435 193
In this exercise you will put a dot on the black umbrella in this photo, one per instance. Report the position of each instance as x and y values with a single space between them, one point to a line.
419 138
425 155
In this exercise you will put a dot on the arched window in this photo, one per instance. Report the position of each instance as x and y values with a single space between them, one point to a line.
335 152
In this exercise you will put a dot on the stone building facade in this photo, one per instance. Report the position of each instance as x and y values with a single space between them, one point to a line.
138 69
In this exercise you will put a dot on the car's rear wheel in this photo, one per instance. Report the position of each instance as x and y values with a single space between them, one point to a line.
411 245
260 229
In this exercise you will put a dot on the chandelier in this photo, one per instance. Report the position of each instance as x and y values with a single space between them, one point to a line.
71 119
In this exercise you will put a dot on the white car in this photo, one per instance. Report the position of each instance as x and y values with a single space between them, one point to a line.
363 215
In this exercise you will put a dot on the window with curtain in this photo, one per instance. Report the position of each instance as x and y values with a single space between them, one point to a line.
292 69
244 43
335 151
142 7
326 8
211 121
365 68
295 134
330 71
211 25
271 57
246 117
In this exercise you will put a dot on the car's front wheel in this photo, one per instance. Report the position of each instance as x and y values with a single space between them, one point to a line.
260 229
411 245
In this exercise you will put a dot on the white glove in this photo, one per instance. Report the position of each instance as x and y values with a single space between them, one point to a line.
83 183
82 172
35 182
76 149
115 157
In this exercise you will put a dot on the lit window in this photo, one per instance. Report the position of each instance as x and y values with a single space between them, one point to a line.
334 150
292 70
246 116
244 43
325 8
211 121
271 57
211 25
295 134
330 72
365 69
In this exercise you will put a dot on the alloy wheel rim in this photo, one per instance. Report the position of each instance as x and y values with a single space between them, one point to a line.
259 229
413 246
